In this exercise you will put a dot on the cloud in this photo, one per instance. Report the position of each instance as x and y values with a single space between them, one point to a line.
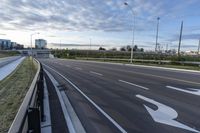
192 36
77 45
81 15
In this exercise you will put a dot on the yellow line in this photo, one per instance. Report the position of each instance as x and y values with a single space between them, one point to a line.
169 78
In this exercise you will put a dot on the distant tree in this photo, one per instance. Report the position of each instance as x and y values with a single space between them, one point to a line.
135 48
122 49
101 48
113 49
128 48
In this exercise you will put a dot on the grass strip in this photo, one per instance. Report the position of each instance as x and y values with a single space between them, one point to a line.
13 90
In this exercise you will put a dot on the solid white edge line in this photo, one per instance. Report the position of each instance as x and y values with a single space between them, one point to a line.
145 88
91 101
96 73
65 112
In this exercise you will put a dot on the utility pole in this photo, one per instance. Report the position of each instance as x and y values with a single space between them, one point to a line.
90 43
179 46
198 48
158 18
166 47
60 44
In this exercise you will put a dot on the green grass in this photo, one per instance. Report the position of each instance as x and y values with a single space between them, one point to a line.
8 53
12 92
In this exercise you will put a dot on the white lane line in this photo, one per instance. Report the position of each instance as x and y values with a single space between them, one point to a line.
164 114
96 73
91 101
78 68
145 88
190 91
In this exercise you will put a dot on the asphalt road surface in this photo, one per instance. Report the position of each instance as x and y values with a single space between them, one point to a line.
134 99
7 60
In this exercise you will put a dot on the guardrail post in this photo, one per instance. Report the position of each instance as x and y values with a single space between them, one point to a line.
33 120
40 85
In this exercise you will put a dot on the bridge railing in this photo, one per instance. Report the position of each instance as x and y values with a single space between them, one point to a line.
30 112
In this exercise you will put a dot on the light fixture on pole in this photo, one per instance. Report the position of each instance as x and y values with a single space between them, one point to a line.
133 41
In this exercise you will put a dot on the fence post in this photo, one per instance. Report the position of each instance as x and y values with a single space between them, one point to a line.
33 120
40 86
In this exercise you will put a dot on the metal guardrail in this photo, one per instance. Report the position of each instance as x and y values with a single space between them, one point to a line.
30 112
145 61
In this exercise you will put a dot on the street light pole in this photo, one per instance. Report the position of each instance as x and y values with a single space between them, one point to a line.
158 18
32 53
133 41
198 48
180 38
31 42
90 43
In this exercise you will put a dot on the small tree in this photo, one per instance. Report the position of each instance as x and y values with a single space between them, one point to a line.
122 49
101 48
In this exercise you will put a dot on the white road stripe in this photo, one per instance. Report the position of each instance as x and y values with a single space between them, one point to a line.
78 68
96 73
145 88
92 102
190 91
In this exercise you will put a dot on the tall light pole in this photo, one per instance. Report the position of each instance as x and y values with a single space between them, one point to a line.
32 53
90 43
31 42
180 38
158 19
198 48
133 41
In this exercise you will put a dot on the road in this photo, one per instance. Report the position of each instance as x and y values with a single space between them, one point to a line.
134 99
7 60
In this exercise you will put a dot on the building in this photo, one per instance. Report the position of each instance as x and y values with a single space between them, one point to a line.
40 44
5 44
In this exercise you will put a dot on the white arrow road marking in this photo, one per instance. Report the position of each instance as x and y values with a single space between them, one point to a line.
191 91
164 114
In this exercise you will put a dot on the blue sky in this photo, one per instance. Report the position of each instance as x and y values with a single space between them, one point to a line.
107 22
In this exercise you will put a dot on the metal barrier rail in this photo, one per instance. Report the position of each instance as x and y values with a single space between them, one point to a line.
145 61
30 112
